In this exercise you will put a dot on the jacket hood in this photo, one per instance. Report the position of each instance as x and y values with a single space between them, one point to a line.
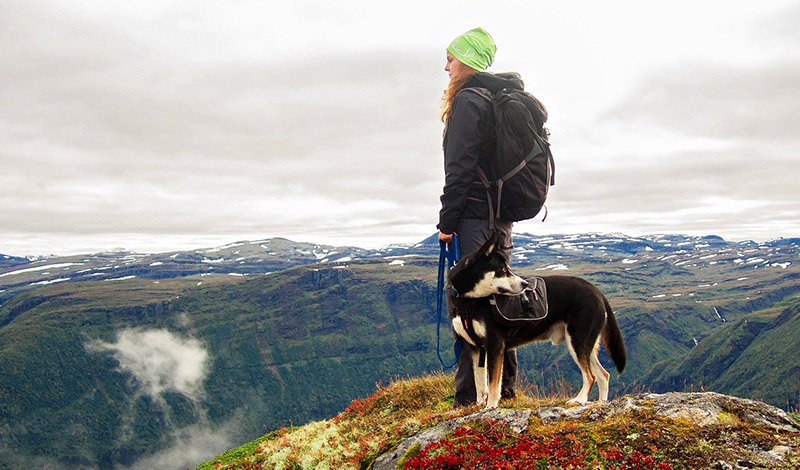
495 82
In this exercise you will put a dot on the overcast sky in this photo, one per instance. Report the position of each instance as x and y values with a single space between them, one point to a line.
162 125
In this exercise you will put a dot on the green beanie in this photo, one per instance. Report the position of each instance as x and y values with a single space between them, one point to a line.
475 49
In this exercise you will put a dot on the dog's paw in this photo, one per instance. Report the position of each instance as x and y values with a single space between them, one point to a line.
483 399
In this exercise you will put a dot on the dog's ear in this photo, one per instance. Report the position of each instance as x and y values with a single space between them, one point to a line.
491 244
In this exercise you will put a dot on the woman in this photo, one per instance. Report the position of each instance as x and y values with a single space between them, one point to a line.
469 143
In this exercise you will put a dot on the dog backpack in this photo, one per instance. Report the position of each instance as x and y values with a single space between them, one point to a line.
522 169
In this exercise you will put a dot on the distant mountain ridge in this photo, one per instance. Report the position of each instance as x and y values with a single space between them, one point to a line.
276 254
7 261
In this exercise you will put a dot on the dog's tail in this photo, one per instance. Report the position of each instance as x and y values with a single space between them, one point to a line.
612 338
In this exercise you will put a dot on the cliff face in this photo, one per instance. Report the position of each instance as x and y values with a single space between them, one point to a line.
411 425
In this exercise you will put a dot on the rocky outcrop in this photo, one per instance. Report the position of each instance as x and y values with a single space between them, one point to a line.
700 410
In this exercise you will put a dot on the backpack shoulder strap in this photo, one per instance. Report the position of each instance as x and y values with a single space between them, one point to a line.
482 92
487 95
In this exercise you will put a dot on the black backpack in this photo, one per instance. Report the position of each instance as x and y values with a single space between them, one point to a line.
522 169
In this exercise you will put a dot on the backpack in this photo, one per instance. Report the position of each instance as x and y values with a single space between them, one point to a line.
522 169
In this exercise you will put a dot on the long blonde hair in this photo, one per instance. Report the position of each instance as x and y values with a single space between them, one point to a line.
457 82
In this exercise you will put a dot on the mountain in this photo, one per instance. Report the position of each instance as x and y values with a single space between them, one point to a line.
411 424
240 258
7 261
735 357
125 359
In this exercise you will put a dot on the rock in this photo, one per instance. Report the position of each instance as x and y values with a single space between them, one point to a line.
708 408
517 420
554 413
779 452
701 409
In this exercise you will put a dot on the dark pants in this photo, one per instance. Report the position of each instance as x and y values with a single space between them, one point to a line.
472 234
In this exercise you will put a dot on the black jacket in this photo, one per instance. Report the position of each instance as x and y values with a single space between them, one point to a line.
469 142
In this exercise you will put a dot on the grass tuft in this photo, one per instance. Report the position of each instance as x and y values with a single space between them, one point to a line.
354 438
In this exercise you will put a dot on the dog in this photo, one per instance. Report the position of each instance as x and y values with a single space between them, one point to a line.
578 314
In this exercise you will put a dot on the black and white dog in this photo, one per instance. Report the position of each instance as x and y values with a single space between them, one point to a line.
578 314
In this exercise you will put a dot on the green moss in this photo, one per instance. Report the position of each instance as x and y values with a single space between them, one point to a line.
412 452
240 454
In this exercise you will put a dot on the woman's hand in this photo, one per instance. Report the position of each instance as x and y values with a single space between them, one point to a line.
445 237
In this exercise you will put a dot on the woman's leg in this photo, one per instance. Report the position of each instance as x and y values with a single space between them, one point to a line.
472 234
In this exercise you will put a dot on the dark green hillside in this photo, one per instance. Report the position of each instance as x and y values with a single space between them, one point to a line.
756 356
283 349
58 400
311 339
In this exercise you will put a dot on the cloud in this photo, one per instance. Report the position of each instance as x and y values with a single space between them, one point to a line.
135 124
189 447
705 147
159 361
719 101
136 143
779 30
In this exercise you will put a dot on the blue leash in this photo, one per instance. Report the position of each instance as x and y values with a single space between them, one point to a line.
449 257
